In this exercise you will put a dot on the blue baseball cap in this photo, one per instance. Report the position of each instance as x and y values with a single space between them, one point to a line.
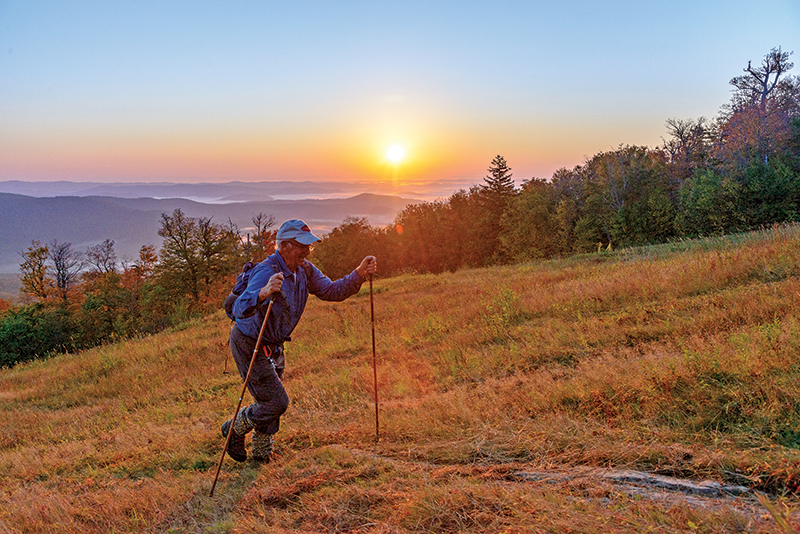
297 230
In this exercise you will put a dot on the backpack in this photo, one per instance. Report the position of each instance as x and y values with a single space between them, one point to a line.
238 288
241 284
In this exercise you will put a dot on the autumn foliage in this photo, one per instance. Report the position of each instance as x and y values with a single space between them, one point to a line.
736 172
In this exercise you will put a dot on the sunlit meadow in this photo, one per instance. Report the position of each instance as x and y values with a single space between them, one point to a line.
681 360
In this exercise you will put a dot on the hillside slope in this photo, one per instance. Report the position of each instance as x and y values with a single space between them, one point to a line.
503 392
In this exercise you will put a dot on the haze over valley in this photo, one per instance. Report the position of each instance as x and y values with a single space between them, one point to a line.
130 214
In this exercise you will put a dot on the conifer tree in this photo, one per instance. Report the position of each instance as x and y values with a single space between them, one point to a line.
495 198
499 182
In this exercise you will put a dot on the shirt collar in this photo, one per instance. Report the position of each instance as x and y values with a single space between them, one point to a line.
282 264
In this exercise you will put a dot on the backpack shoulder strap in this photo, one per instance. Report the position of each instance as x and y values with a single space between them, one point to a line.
272 263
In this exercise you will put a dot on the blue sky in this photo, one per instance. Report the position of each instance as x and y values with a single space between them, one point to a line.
216 91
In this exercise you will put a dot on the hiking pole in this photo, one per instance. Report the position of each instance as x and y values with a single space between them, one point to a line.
244 388
374 364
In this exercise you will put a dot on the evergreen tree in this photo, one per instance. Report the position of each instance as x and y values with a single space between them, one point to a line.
499 182
495 198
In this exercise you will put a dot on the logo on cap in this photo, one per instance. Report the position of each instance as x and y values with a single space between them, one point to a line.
305 228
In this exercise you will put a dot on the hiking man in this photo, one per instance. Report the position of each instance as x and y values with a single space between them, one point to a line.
287 278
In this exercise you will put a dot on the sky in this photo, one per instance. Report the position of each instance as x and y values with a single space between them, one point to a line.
203 91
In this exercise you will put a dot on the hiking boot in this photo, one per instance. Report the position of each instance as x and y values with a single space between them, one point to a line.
241 427
262 446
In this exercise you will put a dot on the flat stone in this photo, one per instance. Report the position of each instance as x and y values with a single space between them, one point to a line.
706 488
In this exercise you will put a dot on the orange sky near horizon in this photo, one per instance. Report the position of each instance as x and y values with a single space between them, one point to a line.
432 151
182 92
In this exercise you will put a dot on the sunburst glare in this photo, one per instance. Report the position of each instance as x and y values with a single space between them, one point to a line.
395 153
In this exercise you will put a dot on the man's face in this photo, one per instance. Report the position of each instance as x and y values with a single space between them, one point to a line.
295 253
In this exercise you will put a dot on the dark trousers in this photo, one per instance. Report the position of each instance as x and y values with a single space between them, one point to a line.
265 385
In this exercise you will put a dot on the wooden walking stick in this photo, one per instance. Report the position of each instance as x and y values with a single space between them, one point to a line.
374 358
244 389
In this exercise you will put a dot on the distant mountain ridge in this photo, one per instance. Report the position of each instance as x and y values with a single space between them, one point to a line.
235 191
133 222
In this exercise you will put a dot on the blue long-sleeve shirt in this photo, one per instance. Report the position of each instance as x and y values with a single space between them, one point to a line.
288 305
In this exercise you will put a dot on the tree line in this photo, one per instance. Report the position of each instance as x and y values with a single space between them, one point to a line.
738 171
79 299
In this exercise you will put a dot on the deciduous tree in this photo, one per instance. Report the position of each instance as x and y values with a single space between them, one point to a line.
102 258
36 280
711 204
619 186
214 247
344 247
262 242
67 265
756 123
180 254
529 227
765 85
426 244
687 149
193 255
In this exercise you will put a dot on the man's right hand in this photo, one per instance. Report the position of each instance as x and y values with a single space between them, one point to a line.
273 286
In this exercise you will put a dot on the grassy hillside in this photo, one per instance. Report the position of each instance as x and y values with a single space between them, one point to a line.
506 394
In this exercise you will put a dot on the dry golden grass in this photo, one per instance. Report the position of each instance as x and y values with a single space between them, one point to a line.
681 360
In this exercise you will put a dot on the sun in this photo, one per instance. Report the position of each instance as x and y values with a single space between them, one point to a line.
395 153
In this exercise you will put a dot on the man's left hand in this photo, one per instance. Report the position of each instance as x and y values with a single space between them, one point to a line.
368 266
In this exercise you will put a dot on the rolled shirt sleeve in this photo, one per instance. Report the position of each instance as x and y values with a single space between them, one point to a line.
322 287
289 304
